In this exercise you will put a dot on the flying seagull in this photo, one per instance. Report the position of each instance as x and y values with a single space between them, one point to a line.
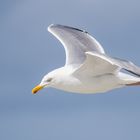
88 69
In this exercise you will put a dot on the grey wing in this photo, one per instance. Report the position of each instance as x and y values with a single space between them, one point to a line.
76 42
97 64
128 66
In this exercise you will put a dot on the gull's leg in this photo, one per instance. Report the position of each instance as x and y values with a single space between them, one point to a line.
134 84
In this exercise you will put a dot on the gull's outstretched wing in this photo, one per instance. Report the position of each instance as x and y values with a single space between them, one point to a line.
97 64
76 42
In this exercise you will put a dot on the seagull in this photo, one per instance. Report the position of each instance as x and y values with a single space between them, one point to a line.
88 69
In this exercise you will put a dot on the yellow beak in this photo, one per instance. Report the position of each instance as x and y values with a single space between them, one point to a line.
36 89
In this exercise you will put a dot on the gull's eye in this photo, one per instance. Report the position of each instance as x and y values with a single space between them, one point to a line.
49 80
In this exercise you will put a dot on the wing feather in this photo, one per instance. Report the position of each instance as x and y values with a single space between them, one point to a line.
97 64
128 66
76 42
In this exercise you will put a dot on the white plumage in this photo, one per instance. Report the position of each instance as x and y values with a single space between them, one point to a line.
87 69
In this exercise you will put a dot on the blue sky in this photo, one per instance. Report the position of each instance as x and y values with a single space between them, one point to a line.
27 53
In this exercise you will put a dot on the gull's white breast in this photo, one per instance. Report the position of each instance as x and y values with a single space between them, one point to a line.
95 84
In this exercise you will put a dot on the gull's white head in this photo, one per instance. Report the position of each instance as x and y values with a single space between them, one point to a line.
52 79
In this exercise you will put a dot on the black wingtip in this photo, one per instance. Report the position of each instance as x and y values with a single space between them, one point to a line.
68 27
136 74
